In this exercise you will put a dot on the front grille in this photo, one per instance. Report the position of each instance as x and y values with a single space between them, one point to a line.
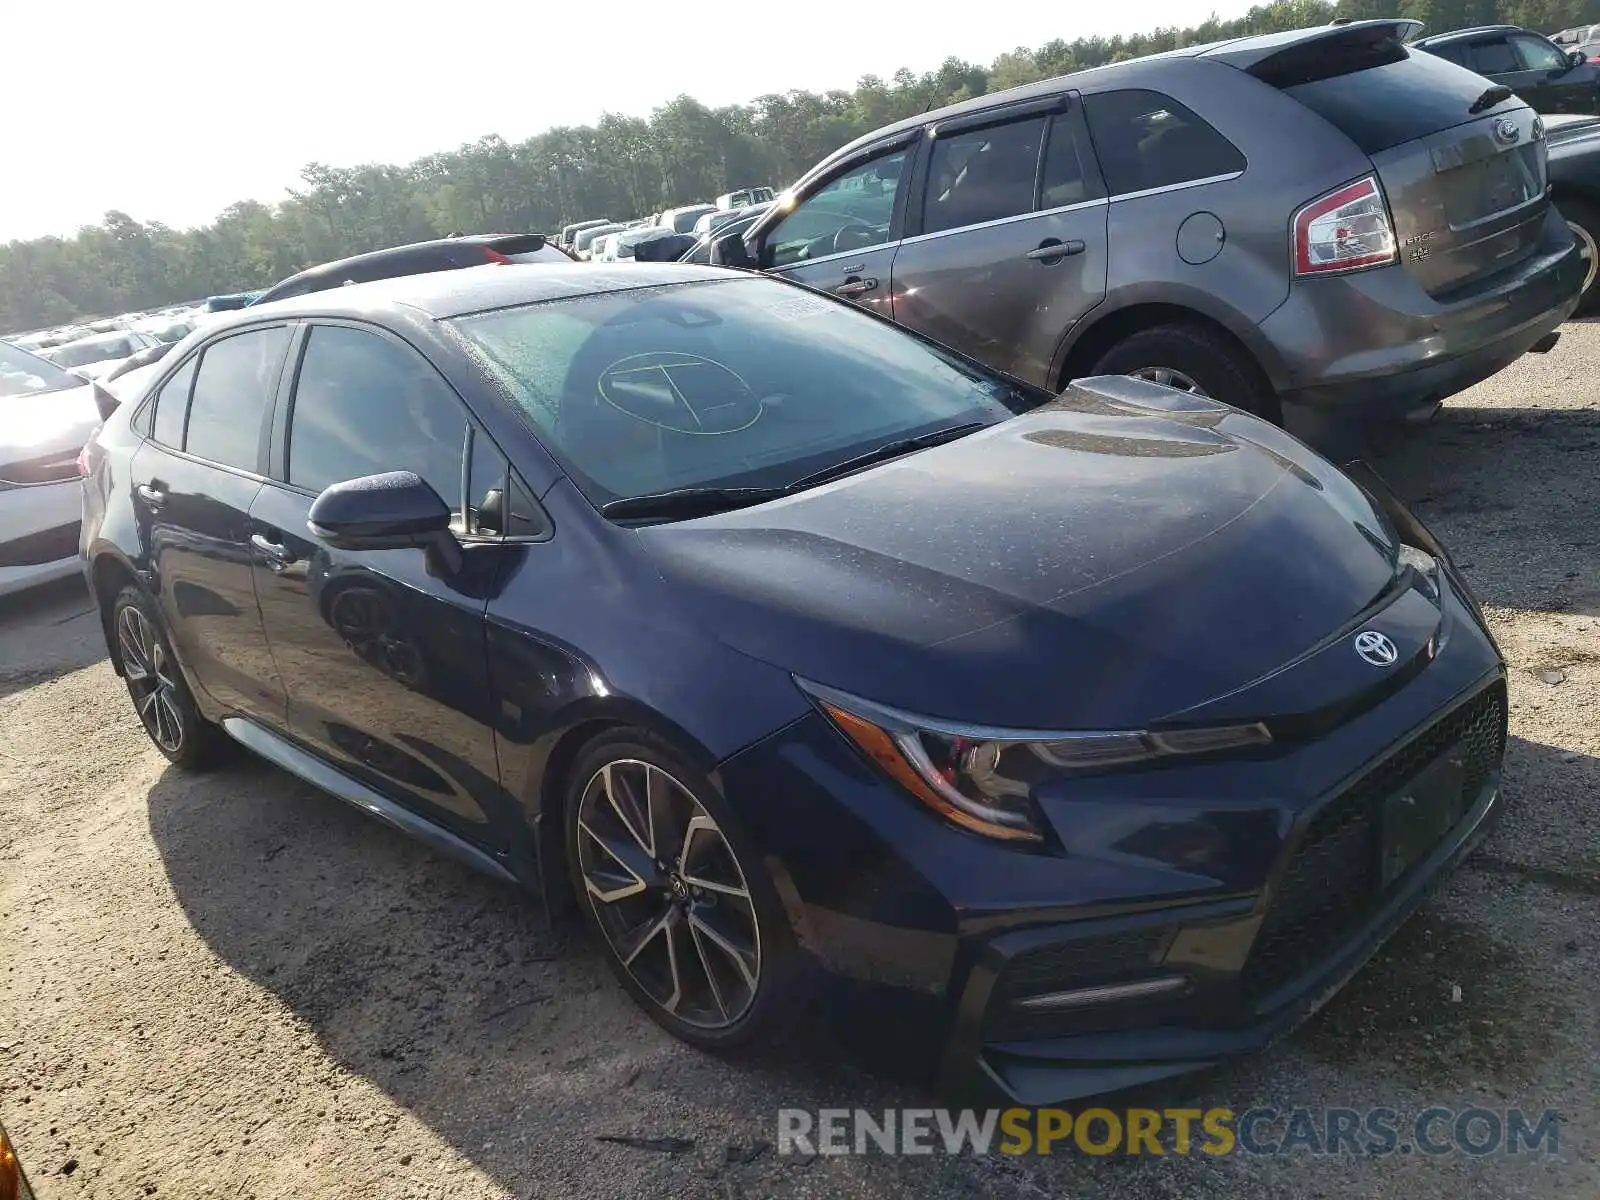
48 546
1332 884
1062 967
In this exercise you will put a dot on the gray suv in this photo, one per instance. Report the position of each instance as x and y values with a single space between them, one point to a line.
1311 224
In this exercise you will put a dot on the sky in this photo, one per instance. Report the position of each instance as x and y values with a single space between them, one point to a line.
171 112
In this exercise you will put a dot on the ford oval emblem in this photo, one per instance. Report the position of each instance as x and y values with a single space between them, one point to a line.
1506 131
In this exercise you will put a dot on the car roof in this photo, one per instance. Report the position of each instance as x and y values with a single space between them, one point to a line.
1240 52
444 294
1457 34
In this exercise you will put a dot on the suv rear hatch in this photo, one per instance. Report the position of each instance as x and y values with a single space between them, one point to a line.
1460 159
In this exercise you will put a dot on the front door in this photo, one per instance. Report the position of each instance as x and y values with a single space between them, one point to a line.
382 655
1562 88
841 237
1006 248
193 482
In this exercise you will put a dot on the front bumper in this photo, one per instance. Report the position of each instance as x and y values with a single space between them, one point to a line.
1374 347
39 530
1213 873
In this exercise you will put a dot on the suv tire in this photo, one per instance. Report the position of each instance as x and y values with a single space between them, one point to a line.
1584 221
1191 354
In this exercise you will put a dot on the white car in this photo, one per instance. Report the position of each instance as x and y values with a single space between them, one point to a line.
46 417
92 357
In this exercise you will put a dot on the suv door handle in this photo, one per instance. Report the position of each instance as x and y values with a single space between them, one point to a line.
1053 250
279 557
151 495
854 287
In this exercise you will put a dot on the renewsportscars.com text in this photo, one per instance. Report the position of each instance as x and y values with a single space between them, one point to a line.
1370 1132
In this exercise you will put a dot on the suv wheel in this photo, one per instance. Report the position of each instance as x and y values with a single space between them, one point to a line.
160 695
691 922
1584 221
1191 359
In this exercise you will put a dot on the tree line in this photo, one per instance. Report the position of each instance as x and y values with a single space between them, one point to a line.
620 168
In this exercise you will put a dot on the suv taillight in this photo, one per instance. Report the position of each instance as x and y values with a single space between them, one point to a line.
1346 230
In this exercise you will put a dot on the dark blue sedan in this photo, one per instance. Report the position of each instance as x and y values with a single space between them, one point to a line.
1111 730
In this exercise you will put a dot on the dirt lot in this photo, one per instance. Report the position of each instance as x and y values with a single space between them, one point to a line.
234 986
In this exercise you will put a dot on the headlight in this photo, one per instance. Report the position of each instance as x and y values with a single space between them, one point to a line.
983 779
1425 565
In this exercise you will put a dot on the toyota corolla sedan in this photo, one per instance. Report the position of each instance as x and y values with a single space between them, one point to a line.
1111 731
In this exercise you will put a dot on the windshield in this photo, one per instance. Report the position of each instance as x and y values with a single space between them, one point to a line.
92 350
24 374
732 383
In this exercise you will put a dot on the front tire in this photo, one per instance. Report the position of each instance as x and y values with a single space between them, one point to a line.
690 921
161 697
1192 359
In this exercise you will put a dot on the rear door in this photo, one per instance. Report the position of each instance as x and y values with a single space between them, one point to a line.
843 233
194 481
1495 57
1006 235
1466 189
383 661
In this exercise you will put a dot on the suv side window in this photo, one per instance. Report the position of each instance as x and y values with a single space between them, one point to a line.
848 213
1455 52
172 406
364 405
1146 140
982 175
1539 54
233 389
1495 57
1068 174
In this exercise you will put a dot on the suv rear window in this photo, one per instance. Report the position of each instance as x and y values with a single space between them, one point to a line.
1384 106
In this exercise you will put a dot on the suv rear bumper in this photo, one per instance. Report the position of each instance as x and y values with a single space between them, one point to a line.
1374 347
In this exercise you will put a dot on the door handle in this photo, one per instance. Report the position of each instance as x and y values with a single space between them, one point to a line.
153 496
278 556
852 288
1053 250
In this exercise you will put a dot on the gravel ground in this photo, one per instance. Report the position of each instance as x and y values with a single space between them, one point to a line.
232 985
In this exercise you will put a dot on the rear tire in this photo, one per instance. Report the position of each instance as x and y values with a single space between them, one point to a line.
161 697
1180 355
1583 219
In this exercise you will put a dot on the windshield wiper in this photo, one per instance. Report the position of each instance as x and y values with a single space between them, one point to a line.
1491 97
684 503
689 502
885 452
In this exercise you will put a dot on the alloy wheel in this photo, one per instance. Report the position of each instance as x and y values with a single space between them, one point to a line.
150 678
1170 377
1590 253
669 894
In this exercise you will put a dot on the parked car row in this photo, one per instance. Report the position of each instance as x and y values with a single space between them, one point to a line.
583 238
735 613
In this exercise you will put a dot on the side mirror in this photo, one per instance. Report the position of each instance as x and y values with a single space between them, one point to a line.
730 250
1577 58
386 512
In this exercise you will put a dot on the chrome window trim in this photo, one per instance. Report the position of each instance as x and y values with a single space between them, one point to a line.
1011 220
857 252
1177 187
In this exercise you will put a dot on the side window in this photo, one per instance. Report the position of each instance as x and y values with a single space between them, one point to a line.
1495 57
851 212
486 489
1539 54
232 392
1068 176
1146 140
1454 52
364 405
498 502
982 175
172 407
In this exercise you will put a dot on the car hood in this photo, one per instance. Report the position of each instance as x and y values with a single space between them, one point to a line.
1101 562
46 423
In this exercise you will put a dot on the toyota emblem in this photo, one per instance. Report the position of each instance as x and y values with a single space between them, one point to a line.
1375 648
1506 131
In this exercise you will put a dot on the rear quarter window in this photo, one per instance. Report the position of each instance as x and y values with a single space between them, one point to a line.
1146 140
1384 106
